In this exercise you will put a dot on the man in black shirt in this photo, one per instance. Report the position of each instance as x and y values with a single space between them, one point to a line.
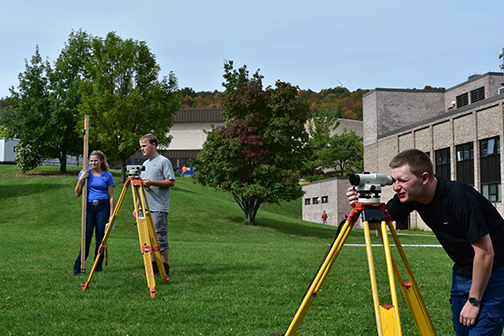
470 230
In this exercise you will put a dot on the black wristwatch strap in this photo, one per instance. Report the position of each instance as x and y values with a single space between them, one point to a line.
474 301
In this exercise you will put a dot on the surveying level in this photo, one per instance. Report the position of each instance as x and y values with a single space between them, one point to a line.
374 216
149 244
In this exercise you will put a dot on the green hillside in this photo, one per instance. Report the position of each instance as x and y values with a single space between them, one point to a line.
227 277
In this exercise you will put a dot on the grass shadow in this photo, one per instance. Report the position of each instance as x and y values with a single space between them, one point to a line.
21 190
290 228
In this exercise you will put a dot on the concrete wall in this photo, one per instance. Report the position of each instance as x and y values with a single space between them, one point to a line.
190 135
7 150
336 208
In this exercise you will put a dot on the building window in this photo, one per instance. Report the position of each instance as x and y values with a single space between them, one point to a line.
463 100
443 163
490 169
315 200
492 192
478 94
465 163
325 199
307 201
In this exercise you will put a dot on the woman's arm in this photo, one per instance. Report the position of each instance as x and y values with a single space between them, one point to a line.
80 183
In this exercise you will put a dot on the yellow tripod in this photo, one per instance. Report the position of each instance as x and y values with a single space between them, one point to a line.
374 216
149 244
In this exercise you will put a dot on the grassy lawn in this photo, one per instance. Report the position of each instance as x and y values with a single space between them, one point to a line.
227 277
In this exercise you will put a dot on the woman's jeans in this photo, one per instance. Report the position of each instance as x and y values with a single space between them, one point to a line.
97 217
491 318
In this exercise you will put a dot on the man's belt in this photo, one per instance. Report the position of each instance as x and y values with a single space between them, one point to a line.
95 202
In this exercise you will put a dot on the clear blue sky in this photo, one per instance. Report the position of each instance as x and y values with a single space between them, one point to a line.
312 44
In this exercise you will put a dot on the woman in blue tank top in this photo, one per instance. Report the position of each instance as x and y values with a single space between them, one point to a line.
100 203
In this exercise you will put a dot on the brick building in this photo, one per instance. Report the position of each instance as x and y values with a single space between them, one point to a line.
460 128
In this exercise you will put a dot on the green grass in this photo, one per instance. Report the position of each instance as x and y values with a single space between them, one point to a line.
227 277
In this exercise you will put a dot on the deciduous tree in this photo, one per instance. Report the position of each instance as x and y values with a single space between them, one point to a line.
30 119
44 108
344 153
257 154
124 97
319 128
69 71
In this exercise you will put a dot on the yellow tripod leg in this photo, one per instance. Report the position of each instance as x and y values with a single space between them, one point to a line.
372 276
143 235
157 252
319 279
411 292
153 236
387 316
392 320
410 289
149 244
107 233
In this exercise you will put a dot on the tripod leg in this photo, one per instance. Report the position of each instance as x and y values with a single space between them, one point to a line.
387 316
156 251
411 292
148 240
391 321
105 237
372 276
319 278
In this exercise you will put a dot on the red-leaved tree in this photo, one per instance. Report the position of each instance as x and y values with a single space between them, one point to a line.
258 153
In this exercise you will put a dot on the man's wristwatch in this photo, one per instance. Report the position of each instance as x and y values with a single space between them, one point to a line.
474 301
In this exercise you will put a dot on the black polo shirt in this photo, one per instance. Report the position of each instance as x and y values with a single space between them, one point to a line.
458 215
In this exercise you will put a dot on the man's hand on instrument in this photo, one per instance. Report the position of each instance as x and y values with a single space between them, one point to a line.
352 195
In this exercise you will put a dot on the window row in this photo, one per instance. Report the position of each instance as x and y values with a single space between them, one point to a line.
490 175
316 200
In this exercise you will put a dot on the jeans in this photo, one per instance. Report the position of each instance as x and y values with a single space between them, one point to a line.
491 318
96 216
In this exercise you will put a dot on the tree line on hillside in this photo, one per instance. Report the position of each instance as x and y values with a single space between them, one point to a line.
338 101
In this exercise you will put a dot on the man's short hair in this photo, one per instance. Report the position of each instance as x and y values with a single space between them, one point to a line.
418 162
151 138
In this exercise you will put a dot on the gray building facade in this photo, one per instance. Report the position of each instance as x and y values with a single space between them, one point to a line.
460 128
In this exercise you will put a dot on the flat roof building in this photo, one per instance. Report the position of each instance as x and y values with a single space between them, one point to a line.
460 128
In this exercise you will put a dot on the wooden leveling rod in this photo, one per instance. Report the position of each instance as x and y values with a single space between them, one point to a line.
85 131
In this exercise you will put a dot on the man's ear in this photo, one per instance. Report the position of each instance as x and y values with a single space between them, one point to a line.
425 178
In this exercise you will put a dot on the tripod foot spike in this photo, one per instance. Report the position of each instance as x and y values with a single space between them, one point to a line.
153 293
165 280
84 286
